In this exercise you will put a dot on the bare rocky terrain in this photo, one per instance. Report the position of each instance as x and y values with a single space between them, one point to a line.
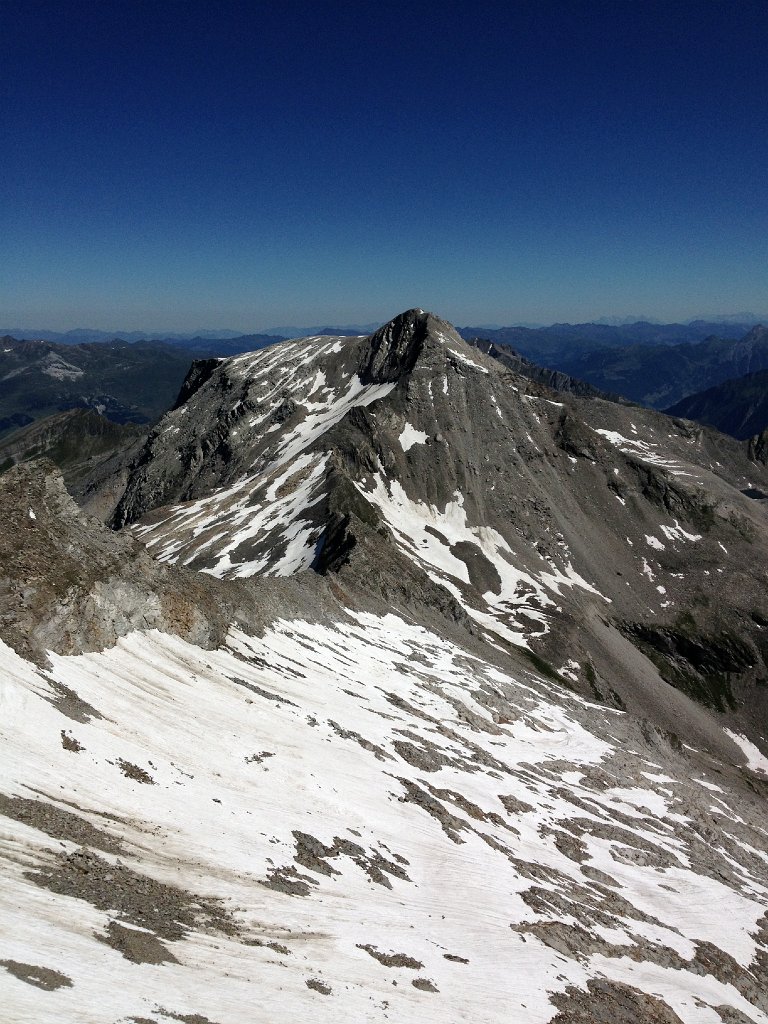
401 687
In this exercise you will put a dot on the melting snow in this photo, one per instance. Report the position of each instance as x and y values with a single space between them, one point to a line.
366 767
239 529
677 532
755 759
411 436
645 450
430 537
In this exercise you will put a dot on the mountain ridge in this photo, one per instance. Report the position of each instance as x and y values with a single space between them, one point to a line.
738 406
402 418
81 335
399 693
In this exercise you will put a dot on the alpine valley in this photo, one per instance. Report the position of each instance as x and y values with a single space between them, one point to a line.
379 681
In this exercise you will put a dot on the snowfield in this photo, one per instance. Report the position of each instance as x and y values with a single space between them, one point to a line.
519 608
354 822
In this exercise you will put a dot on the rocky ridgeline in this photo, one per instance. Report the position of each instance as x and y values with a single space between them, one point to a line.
308 731
422 474
70 584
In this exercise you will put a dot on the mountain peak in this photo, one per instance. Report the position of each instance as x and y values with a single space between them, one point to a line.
756 333
394 349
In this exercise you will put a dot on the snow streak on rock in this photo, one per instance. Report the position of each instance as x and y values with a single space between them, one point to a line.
648 451
516 605
259 524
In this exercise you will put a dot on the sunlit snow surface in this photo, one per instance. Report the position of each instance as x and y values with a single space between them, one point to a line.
259 524
755 759
446 812
411 436
646 450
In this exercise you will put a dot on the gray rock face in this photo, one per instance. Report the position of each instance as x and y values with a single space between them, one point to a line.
93 454
420 472
69 584
392 351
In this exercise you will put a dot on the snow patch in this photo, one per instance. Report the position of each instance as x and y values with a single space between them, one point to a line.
321 731
645 450
411 436
756 760
677 532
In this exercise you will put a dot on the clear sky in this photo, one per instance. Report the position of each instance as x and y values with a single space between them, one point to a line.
191 164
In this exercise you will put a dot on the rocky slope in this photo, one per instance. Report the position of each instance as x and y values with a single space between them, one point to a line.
93 454
369 761
69 584
411 466
738 407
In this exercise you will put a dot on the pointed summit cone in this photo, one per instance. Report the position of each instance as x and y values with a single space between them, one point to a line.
393 350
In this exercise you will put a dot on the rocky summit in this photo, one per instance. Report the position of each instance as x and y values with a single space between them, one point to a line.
401 688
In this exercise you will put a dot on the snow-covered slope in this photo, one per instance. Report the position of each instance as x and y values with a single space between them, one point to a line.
259 524
400 725
360 822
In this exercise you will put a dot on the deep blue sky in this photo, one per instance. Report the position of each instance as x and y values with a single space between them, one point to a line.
190 164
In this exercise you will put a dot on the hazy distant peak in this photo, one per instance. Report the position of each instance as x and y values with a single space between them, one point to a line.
622 321
731 318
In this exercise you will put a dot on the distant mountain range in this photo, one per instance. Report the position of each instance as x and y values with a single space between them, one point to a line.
128 383
604 331
559 345
86 335
657 365
554 379
653 374
660 375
